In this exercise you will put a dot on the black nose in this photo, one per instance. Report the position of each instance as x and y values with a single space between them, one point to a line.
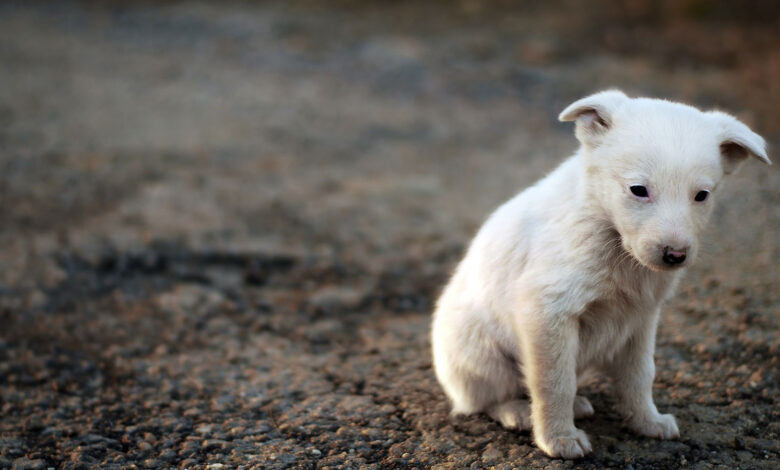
672 256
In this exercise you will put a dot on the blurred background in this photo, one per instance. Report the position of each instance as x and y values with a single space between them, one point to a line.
223 224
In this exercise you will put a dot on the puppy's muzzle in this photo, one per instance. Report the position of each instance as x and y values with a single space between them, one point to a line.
673 256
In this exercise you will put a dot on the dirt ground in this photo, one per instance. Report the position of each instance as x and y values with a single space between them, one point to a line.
223 226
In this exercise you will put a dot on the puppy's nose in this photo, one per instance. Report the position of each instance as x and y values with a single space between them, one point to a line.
673 256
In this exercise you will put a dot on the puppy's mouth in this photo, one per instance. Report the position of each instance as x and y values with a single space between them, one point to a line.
660 267
655 265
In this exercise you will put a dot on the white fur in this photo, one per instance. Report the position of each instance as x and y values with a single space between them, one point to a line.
568 276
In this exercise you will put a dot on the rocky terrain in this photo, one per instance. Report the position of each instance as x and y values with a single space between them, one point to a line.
223 226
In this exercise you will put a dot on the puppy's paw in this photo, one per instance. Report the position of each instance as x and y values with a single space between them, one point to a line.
513 414
659 426
582 407
570 446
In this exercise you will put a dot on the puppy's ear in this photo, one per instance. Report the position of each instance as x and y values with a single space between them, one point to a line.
594 115
737 142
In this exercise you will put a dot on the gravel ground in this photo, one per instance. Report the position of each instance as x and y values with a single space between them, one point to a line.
222 226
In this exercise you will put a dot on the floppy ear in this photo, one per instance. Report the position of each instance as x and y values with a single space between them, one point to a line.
737 142
594 115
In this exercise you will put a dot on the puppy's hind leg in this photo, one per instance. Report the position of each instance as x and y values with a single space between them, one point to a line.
483 380
512 414
582 407
493 390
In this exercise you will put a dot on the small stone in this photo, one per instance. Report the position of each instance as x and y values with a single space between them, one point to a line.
182 426
315 452
225 400
51 431
333 298
262 429
492 454
756 379
211 444
168 455
193 412
33 424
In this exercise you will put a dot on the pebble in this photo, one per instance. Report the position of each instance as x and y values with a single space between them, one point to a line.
167 455
492 454
337 297
211 444
756 379
204 429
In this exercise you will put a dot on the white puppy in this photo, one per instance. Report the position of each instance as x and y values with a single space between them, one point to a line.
569 275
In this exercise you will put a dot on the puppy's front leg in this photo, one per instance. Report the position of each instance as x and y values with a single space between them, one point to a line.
550 346
632 372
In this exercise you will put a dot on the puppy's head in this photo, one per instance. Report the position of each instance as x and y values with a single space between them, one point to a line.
655 166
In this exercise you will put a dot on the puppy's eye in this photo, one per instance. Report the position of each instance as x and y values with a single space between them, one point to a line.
639 191
701 195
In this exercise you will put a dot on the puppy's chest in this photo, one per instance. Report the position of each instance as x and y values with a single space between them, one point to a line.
615 316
